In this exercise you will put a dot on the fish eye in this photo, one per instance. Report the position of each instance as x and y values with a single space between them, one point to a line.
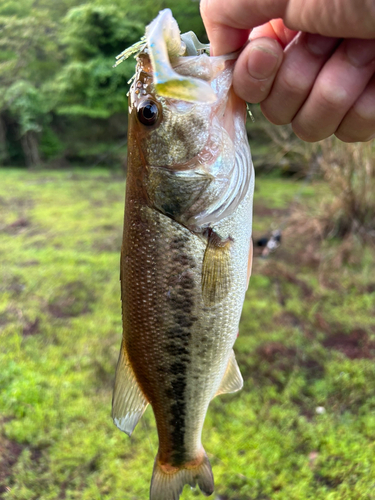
148 112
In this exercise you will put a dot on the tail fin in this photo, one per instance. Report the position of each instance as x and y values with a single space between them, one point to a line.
169 485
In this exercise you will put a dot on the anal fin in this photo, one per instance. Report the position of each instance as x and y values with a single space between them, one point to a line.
216 276
128 402
249 263
232 380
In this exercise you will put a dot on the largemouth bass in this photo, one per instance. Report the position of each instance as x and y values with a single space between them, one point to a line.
186 252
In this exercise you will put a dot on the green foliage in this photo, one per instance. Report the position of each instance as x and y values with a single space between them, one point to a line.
65 52
31 46
186 12
25 103
88 85
12 8
92 88
306 342
91 30
29 41
50 144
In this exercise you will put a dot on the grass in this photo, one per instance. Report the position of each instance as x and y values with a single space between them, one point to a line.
302 428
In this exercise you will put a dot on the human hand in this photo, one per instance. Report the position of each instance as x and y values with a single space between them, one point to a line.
310 63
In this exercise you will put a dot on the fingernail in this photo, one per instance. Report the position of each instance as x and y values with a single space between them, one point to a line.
261 62
360 52
320 45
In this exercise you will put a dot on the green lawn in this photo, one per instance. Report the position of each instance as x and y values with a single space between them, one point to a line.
302 428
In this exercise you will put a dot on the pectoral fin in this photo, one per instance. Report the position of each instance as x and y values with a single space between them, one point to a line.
216 276
128 403
232 380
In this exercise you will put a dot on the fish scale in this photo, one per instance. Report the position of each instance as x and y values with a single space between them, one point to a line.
185 255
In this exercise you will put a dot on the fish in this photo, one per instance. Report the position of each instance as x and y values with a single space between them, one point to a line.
187 251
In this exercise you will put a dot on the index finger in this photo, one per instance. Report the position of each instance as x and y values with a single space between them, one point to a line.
229 23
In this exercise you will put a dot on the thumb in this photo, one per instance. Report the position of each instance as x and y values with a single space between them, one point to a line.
229 22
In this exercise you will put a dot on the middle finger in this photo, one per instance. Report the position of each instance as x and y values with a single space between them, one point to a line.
303 59
337 87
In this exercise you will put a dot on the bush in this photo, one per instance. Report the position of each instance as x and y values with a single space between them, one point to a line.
349 170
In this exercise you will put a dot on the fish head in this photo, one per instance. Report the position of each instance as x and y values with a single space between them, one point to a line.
176 92
170 132
183 121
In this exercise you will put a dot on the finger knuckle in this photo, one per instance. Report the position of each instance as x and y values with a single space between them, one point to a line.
208 10
274 114
204 7
247 89
294 83
249 95
332 96
346 137
306 133
352 134
358 125
365 110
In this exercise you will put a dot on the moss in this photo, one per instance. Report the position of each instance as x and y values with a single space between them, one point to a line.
72 299
306 343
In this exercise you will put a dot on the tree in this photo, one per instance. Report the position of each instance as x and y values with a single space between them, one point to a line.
26 46
30 55
88 85
186 12
58 88
26 105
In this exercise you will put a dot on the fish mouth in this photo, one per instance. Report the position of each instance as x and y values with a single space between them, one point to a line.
164 44
174 61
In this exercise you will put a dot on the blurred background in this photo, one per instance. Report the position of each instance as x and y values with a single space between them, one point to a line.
303 427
